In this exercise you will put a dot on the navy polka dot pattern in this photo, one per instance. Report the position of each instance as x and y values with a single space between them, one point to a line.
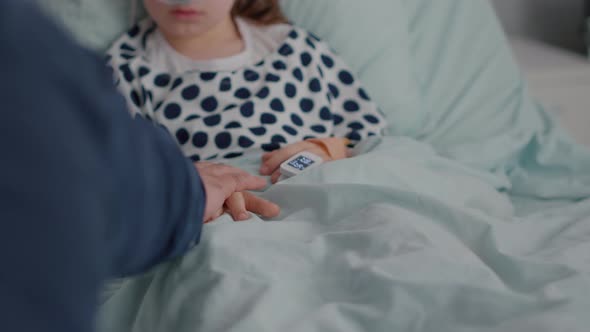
208 76
182 136
223 140
315 85
212 120
225 84
296 119
306 105
277 105
301 91
192 117
267 118
356 125
269 147
233 124
285 50
209 104
363 94
162 80
127 47
233 155
318 129
251 76
327 61
263 93
321 71
290 130
247 109
143 71
279 65
325 114
172 111
371 119
134 31
334 90
200 139
245 142
258 131
354 136
229 107
305 59
351 106
345 77
177 82
290 90
135 98
190 92
278 139
243 93
298 74
127 73
272 78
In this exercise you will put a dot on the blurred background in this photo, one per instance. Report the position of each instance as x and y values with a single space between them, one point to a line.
548 39
557 22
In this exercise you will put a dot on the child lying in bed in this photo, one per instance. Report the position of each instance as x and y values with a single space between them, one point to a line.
228 76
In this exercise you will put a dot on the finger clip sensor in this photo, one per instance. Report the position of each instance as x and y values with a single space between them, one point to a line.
299 163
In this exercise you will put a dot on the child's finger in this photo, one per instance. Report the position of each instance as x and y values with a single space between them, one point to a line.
275 176
236 206
261 206
266 156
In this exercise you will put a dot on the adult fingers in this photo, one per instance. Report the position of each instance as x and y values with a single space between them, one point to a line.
261 206
214 216
236 206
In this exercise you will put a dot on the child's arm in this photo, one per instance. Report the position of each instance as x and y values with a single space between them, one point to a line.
355 115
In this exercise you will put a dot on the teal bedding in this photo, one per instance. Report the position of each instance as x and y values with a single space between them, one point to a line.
474 215
396 239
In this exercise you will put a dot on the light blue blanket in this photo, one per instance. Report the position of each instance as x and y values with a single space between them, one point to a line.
396 239
483 225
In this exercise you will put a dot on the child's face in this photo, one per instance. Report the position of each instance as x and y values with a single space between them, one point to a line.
189 20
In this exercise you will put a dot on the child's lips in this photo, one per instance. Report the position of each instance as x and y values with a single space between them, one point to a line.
186 13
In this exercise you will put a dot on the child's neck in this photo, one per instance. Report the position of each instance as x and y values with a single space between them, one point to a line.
223 40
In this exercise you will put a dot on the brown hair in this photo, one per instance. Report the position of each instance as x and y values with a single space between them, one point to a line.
264 12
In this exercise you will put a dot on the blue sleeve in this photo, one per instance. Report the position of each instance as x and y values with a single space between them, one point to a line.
86 192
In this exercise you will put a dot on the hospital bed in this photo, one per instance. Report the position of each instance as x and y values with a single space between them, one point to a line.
472 214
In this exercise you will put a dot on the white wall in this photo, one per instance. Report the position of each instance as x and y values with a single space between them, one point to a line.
555 21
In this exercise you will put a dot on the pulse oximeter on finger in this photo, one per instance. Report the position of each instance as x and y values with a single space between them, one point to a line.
299 163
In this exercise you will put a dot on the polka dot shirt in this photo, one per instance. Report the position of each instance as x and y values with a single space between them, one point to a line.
283 93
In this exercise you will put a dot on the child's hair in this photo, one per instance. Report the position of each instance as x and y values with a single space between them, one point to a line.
264 12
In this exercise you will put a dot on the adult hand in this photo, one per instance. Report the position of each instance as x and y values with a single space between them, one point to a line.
221 181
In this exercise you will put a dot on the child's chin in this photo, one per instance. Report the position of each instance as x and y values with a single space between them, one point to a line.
184 29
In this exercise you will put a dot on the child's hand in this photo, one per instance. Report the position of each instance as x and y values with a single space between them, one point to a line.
239 203
326 148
